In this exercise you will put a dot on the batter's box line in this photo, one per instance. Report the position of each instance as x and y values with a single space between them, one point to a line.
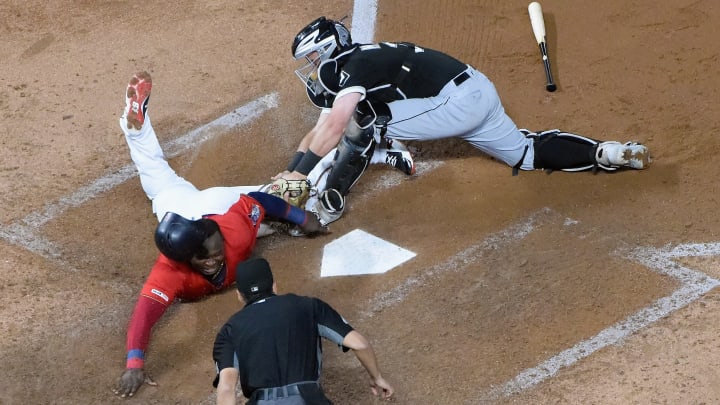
460 260
694 284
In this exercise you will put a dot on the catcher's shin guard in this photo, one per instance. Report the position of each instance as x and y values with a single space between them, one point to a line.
352 157
557 150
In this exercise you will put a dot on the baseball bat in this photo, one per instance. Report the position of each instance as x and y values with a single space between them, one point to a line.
538 26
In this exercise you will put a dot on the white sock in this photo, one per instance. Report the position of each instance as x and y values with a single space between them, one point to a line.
378 156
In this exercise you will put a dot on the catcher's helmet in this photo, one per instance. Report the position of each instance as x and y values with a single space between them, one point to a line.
319 41
326 37
179 238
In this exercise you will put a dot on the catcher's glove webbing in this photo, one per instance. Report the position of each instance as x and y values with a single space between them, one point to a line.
295 192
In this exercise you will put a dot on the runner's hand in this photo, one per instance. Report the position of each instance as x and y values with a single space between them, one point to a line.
131 380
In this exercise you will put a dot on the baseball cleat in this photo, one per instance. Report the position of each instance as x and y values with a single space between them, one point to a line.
136 100
629 154
399 157
401 160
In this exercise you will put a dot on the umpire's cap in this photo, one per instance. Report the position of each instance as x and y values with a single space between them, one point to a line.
254 279
179 238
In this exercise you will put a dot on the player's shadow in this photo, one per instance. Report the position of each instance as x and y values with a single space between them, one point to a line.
443 149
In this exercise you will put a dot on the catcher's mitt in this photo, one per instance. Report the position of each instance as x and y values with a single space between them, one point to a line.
295 192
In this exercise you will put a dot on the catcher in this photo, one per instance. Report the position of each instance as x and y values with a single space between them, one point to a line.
403 91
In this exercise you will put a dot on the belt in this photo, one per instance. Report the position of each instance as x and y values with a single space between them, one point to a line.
460 79
269 394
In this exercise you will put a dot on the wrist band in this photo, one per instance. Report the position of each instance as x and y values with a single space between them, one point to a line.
297 157
135 359
308 161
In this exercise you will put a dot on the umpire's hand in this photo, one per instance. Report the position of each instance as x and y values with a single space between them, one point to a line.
131 380
381 388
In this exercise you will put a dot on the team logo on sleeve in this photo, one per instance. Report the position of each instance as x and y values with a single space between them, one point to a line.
160 294
254 215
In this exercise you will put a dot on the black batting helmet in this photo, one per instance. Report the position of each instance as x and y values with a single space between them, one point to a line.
179 238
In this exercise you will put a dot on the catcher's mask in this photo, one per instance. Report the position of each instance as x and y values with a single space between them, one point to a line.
319 41
179 238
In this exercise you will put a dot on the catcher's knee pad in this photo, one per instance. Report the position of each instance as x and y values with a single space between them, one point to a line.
374 113
352 157
329 206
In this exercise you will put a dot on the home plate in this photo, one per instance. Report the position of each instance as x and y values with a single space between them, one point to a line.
359 252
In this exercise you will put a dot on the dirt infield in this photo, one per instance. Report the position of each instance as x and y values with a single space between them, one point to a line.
539 288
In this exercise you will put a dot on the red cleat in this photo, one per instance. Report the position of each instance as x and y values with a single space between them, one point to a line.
136 100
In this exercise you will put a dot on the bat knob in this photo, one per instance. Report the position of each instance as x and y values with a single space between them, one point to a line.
551 87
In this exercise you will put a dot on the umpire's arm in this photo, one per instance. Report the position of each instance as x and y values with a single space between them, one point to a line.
333 327
364 352
226 386
366 355
225 366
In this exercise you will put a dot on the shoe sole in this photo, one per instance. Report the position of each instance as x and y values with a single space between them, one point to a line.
136 114
637 158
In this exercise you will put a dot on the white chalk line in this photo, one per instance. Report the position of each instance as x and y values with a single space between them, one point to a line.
238 117
24 233
458 261
694 250
694 285
363 21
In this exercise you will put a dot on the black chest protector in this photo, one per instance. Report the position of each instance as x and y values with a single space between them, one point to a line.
387 72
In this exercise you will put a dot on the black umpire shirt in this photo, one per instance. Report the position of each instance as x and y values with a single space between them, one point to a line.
276 341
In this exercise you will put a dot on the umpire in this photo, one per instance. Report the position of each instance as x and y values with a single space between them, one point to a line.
273 344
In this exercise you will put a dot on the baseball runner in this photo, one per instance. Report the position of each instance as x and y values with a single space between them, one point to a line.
402 91
201 233
272 345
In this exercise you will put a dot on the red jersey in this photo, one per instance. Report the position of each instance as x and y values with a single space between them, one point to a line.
170 280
